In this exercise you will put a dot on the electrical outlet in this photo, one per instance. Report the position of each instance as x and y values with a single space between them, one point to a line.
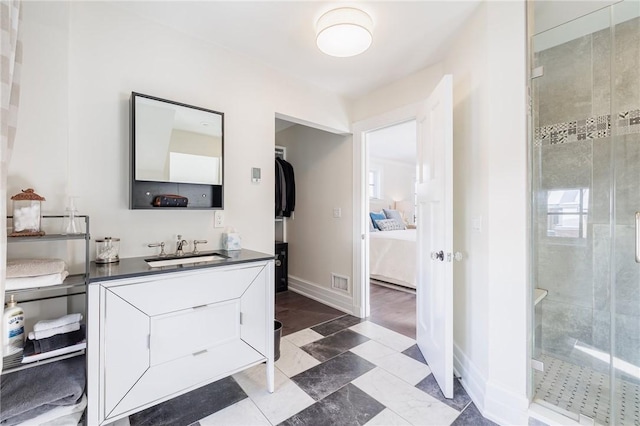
337 212
218 221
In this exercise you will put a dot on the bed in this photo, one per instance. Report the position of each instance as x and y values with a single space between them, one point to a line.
392 253
392 257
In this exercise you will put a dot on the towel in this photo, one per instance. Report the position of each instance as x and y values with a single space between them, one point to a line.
17 268
69 415
39 281
53 331
32 347
58 322
28 393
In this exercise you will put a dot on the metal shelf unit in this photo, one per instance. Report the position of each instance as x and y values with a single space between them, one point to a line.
73 285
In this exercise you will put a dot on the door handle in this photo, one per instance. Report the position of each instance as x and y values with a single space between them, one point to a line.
438 255
637 237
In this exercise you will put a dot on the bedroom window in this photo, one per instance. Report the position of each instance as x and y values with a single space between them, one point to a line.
567 212
374 184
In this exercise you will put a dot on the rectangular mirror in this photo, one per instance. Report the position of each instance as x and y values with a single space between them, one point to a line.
175 149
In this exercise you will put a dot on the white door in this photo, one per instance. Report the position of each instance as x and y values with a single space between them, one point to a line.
434 305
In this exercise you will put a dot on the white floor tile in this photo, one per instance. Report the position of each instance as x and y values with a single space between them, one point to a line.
387 418
412 404
303 337
396 363
294 360
372 350
287 400
241 413
404 367
383 335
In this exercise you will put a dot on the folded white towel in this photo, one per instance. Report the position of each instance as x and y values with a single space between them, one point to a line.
17 268
58 322
35 335
33 282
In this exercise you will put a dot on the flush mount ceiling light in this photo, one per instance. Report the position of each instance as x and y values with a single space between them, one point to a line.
344 32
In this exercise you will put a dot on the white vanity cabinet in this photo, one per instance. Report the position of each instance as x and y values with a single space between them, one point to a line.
154 337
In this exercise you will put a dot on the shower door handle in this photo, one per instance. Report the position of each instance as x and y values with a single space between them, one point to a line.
637 237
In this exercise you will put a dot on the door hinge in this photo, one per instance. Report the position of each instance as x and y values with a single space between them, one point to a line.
240 318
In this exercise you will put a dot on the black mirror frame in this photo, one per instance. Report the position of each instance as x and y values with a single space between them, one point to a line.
142 193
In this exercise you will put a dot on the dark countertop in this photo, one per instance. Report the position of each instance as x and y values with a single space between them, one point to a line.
137 267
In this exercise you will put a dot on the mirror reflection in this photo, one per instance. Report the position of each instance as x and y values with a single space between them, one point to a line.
176 143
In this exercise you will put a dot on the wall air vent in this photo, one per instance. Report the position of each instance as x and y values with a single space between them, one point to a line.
340 282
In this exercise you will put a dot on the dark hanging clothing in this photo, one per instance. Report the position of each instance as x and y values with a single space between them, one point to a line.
285 188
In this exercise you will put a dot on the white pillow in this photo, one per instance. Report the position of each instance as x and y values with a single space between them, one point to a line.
389 225
395 215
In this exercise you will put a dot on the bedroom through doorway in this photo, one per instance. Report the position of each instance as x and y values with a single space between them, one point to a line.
391 185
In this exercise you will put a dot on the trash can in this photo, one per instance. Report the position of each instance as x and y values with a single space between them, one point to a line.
276 339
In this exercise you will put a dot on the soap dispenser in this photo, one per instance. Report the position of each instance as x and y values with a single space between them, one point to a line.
13 319
70 224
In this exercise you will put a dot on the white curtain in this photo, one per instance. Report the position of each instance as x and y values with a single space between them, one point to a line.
10 62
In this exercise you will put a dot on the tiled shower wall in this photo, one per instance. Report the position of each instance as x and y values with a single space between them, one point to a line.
575 117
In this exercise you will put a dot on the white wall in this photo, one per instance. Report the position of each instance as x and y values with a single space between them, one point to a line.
319 243
487 61
73 135
397 181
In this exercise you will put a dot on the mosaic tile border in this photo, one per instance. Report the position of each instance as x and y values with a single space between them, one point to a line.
626 123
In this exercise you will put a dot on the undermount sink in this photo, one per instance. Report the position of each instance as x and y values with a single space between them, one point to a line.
185 260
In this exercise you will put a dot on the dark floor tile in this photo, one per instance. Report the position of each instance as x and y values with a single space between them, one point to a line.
192 406
460 397
326 378
337 343
336 325
414 352
471 416
347 406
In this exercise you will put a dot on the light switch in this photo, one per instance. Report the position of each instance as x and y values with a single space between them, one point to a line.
255 174
337 212
476 224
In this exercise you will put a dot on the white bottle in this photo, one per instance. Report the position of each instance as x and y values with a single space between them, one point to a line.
13 319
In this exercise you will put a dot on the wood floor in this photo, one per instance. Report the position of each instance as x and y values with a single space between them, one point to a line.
390 308
297 312
393 309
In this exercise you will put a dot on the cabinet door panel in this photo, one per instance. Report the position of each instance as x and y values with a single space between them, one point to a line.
175 292
254 312
192 330
175 377
126 348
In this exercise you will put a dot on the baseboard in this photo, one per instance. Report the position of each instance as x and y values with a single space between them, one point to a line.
505 407
321 294
471 378
494 402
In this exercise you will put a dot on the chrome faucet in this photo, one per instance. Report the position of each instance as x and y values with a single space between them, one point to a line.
179 245
195 245
161 245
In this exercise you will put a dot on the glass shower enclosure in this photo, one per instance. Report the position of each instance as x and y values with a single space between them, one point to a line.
585 172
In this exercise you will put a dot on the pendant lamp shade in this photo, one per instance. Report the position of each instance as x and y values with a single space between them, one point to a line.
344 32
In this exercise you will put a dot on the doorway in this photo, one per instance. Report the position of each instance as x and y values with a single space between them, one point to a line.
391 184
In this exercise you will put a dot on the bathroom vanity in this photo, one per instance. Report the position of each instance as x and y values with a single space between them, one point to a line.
156 333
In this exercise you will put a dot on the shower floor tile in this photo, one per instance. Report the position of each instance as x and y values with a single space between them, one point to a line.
580 389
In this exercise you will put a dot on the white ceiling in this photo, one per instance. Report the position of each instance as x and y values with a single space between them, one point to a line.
407 36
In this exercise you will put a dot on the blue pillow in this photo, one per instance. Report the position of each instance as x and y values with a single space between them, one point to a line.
376 216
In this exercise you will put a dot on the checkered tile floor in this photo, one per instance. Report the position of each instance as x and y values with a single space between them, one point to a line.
343 372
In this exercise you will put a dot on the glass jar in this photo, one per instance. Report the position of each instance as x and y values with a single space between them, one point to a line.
27 213
107 250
